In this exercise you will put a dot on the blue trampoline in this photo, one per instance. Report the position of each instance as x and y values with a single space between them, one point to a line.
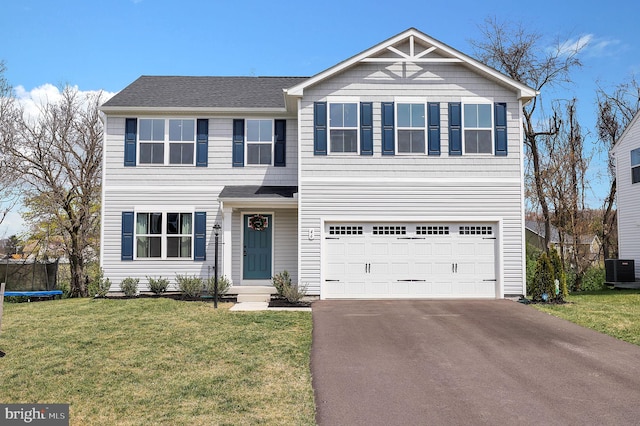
44 293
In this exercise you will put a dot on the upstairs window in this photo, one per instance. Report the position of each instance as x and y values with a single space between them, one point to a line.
343 127
635 165
166 141
478 125
163 235
411 119
259 141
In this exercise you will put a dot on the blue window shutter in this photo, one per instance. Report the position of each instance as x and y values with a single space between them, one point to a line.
501 128
202 143
433 120
320 128
455 128
200 237
388 129
130 131
238 143
126 252
366 128
280 145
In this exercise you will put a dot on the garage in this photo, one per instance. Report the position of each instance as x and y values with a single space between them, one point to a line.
409 260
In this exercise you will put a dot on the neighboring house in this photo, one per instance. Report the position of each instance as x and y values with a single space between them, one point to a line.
589 245
396 173
627 157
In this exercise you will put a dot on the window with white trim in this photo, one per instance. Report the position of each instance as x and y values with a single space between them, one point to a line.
164 235
477 121
259 141
411 123
343 127
166 141
635 165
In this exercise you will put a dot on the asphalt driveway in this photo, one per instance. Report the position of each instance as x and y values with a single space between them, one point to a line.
467 363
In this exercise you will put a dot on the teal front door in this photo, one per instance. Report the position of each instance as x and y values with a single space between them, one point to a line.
257 247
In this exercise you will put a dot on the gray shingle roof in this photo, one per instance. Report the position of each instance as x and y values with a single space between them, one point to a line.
204 92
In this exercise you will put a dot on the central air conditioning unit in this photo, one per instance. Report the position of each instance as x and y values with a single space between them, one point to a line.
620 270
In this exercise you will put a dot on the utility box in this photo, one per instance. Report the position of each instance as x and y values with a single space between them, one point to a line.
620 270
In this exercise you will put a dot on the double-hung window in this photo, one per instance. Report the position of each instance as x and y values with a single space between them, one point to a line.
259 141
411 121
166 141
343 127
164 235
635 165
478 128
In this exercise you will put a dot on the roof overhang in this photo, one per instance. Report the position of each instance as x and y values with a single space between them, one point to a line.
191 110
256 196
421 48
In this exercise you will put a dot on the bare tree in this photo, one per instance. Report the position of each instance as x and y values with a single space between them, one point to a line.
616 109
9 113
58 156
519 53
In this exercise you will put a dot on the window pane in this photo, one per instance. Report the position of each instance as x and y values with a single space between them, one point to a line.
471 141
484 116
158 130
172 223
417 115
635 174
185 223
179 247
253 154
142 223
181 130
265 154
404 115
148 246
404 140
470 115
344 141
635 157
253 130
484 141
181 153
155 223
157 153
188 130
350 115
145 130
336 115
266 131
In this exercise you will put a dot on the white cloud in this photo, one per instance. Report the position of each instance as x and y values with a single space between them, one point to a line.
12 225
574 45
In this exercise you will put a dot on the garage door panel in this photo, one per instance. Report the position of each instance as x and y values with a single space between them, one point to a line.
411 261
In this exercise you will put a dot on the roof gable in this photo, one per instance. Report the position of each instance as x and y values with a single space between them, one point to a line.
625 134
413 46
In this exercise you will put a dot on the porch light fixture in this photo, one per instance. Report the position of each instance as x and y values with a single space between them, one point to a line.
216 234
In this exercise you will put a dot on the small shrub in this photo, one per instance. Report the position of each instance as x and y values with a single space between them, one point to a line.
158 285
190 286
593 279
294 293
560 275
543 281
129 286
223 285
281 282
99 285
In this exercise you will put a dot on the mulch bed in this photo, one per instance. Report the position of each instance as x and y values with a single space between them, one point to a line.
284 303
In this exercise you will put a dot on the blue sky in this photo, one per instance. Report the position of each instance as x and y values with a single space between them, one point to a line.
106 44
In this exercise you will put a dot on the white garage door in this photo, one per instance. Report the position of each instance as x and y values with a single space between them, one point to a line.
409 260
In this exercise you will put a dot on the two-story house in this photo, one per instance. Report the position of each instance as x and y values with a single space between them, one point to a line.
397 173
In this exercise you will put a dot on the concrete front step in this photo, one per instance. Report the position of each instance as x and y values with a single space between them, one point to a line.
253 293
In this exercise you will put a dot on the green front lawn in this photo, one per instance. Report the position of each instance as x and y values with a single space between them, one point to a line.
613 312
158 361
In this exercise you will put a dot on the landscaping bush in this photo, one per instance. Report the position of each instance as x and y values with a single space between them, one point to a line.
223 285
281 281
286 289
293 293
158 285
594 279
543 287
99 285
190 286
129 286
559 274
